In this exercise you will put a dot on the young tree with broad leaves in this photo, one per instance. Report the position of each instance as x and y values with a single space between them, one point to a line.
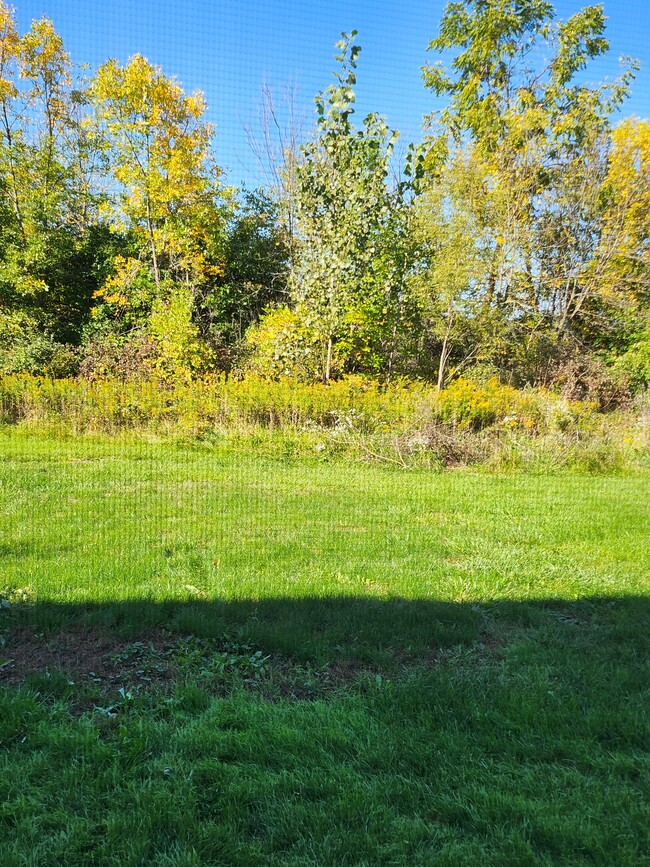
347 276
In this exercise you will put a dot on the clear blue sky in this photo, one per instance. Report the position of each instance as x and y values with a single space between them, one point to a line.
229 48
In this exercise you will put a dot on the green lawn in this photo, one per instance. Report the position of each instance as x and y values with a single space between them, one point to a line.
318 663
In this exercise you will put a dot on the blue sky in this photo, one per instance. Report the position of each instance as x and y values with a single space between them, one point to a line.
230 48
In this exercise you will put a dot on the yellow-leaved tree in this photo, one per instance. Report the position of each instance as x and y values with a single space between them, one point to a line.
625 236
167 197
625 243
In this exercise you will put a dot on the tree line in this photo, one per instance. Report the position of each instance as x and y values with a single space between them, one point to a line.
512 240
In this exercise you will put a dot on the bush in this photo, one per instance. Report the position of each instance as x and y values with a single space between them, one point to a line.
40 356
635 363
583 377
126 358
282 346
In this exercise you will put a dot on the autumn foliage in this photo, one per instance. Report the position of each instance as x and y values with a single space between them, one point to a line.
511 243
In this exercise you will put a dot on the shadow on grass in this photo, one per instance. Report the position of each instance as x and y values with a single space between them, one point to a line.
345 628
500 733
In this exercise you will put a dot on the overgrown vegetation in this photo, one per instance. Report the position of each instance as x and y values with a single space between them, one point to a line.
512 239
405 423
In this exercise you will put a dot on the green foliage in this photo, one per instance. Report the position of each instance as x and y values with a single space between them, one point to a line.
255 274
47 247
519 174
181 353
513 238
24 349
40 356
635 362
347 278
283 345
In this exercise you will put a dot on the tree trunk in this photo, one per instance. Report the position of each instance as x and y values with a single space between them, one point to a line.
154 257
392 351
328 362
444 355
12 171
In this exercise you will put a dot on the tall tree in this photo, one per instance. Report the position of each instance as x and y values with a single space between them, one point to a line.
538 137
167 184
346 276
168 198
47 264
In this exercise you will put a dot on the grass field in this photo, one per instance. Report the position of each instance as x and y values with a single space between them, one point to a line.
215 658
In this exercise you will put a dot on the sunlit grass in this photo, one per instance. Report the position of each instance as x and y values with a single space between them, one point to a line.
102 520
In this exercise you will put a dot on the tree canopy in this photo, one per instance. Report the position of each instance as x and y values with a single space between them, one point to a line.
513 238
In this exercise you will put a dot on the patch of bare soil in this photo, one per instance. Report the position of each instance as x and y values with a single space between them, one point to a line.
85 655
106 662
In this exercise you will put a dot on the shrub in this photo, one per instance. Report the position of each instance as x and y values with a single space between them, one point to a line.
40 356
283 346
109 356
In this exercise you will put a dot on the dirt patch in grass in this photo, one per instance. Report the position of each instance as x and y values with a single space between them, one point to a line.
89 657
85 655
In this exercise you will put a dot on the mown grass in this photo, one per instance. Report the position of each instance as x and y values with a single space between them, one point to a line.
370 665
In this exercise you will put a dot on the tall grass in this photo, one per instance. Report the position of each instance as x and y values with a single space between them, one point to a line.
406 423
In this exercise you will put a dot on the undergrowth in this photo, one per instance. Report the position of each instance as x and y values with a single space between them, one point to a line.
406 424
